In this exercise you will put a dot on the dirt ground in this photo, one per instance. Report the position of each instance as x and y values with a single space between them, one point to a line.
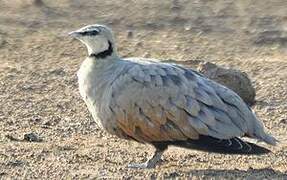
38 90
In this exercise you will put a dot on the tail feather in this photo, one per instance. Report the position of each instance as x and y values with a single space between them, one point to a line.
224 146
270 139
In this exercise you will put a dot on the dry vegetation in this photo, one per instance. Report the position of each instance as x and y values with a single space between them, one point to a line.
38 85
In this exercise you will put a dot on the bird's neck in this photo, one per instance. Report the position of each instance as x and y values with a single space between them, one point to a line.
106 53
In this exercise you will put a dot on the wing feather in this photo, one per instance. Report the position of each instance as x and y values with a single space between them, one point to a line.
198 125
160 102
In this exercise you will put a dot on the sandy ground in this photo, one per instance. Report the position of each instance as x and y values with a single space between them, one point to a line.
39 94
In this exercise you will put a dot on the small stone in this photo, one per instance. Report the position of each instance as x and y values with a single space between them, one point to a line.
2 174
153 176
164 36
151 24
15 163
130 34
146 55
59 71
173 175
187 27
36 119
175 5
139 44
32 137
38 2
2 42
283 121
277 38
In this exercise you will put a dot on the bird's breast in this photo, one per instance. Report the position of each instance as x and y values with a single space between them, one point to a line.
95 89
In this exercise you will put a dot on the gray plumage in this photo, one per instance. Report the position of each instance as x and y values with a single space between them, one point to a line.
132 93
149 101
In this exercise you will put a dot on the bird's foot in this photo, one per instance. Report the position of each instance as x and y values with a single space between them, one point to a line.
151 163
146 165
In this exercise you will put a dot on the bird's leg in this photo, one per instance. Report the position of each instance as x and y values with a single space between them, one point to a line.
152 162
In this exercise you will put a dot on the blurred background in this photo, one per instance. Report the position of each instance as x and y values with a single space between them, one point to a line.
40 100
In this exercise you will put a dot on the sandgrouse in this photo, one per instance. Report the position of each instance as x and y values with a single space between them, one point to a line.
162 104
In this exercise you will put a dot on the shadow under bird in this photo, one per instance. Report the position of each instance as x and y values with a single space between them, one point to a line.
162 104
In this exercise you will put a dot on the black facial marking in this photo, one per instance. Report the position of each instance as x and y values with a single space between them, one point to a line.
103 54
90 33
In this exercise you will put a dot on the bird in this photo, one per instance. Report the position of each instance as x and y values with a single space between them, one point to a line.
162 104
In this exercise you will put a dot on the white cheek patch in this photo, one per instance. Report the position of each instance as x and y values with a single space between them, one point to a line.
102 43
96 44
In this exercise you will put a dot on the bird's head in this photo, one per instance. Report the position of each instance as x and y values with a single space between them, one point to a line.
98 40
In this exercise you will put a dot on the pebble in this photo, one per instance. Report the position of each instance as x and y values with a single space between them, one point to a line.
2 42
32 137
130 34
146 55
139 44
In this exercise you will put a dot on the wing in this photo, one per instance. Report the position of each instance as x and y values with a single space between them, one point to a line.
165 102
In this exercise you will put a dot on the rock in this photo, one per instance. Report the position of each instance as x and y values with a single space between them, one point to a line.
38 2
146 55
233 79
271 37
32 137
172 175
58 71
139 44
187 27
23 3
15 163
12 138
130 34
175 5
283 121
2 42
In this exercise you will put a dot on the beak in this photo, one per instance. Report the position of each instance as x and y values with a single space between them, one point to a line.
74 34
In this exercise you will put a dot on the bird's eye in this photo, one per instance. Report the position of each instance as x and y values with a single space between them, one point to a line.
90 33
